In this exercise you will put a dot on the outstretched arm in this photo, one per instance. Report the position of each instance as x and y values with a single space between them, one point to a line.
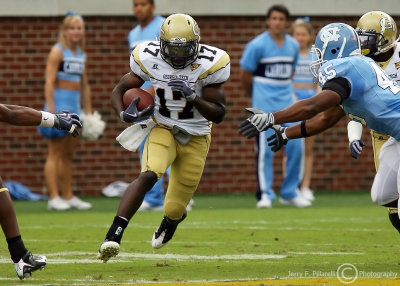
317 124
301 110
25 116
19 115
308 108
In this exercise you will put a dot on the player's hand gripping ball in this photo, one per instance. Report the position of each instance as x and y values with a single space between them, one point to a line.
138 104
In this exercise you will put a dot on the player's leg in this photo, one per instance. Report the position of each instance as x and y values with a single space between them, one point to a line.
385 186
154 199
294 173
159 152
186 172
64 169
54 147
378 140
265 171
305 186
24 262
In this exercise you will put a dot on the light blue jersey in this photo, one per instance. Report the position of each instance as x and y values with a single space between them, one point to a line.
374 98
149 33
303 75
72 65
272 68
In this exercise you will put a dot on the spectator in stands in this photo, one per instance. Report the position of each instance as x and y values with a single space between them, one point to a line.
304 87
267 67
66 86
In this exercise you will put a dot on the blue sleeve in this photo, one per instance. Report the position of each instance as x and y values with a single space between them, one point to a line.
250 57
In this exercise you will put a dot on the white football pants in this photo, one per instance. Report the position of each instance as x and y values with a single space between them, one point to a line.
386 186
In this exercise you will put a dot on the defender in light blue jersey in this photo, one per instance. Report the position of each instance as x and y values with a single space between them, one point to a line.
268 64
351 84
148 28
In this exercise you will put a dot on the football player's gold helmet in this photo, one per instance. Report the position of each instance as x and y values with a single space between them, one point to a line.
179 40
377 31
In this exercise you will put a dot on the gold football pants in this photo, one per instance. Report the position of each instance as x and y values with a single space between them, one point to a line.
377 141
187 162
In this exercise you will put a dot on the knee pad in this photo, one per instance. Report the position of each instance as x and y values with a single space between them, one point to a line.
174 210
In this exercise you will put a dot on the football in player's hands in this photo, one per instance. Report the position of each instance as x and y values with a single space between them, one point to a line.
145 98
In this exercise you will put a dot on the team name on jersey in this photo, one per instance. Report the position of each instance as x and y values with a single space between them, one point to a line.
174 76
72 66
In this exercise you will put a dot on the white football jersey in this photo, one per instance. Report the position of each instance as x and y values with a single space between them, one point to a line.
392 66
212 66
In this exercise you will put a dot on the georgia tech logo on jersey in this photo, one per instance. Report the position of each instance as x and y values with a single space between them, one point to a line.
397 65
194 66
173 76
386 25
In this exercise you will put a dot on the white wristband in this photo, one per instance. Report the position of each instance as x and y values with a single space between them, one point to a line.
47 119
191 97
354 130
284 134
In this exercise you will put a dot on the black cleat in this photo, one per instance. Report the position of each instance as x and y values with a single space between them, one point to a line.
28 264
165 231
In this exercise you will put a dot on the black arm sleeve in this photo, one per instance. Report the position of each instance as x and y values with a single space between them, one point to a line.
339 85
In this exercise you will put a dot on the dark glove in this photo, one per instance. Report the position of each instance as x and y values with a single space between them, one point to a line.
132 114
356 148
278 139
67 121
182 86
256 123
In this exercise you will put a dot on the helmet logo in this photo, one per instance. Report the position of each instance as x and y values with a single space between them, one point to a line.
386 24
329 35
195 29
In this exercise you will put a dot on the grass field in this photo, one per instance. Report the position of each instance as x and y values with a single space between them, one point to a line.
223 241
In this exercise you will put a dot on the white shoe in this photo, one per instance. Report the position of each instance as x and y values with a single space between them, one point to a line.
107 250
58 204
77 203
190 205
308 194
28 264
145 206
264 202
298 202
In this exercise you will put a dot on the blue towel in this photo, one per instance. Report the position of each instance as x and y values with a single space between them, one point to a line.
19 191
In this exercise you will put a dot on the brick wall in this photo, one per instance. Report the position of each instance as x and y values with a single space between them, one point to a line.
25 43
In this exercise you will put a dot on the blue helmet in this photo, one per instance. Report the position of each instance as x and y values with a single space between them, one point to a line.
334 41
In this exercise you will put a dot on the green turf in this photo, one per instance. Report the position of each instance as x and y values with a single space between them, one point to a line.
211 243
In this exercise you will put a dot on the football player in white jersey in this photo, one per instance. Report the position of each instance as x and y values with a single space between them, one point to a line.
378 36
187 77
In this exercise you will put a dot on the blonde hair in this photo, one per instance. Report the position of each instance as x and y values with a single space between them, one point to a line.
66 24
307 25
